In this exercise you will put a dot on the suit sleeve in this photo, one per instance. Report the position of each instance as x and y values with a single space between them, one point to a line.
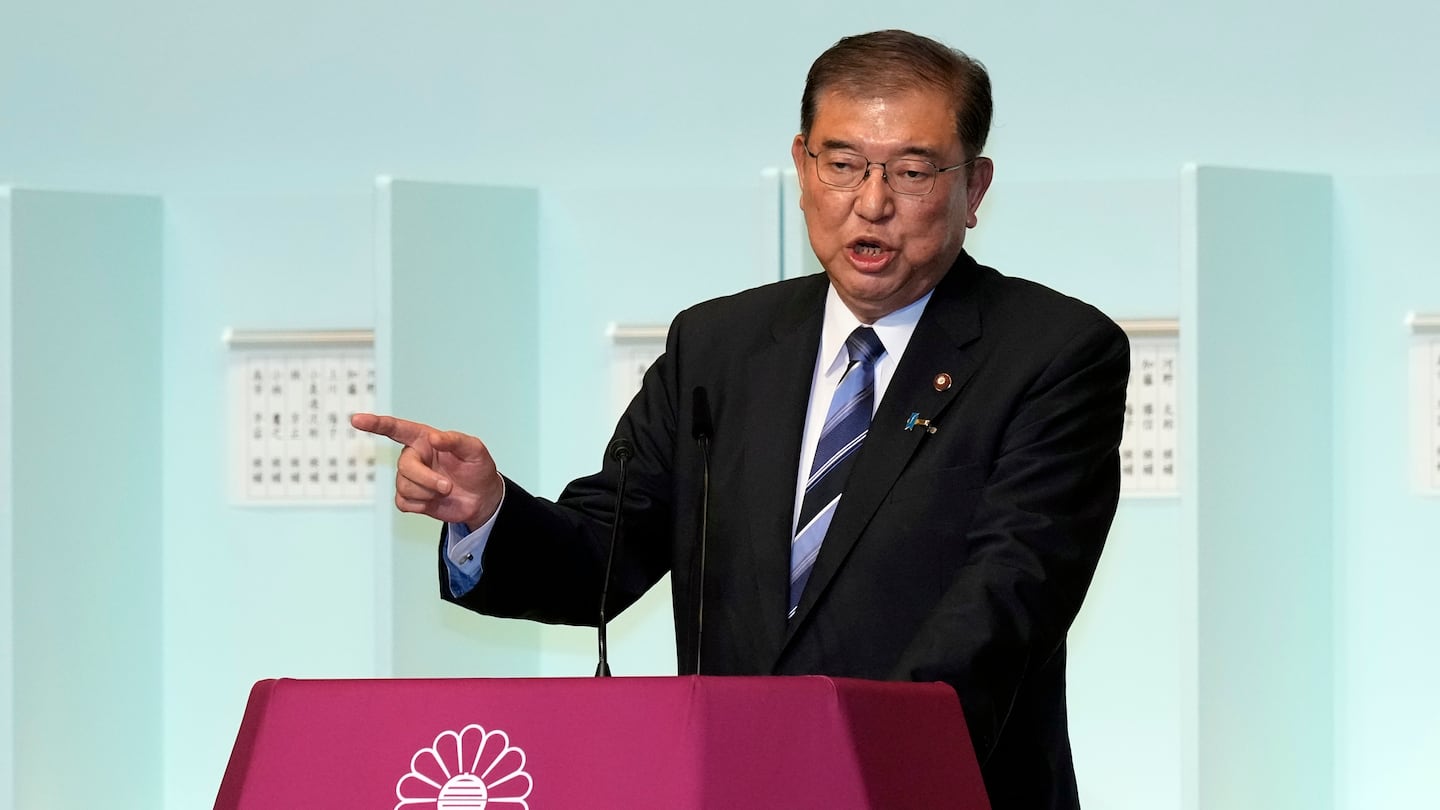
1036 536
546 560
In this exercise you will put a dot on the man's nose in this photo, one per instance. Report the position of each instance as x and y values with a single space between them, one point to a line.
874 198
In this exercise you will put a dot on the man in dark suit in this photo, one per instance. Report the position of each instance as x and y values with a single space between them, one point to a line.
913 458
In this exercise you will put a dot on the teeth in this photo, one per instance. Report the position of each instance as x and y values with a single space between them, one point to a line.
867 248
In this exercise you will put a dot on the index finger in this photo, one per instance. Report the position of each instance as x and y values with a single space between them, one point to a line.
400 430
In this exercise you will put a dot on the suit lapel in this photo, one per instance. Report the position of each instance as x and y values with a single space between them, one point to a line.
774 427
939 346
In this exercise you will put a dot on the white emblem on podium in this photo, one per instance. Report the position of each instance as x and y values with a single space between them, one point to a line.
469 769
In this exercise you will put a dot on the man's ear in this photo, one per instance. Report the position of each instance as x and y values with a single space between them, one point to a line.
800 156
977 182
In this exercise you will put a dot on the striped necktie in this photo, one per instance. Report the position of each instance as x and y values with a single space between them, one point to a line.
845 427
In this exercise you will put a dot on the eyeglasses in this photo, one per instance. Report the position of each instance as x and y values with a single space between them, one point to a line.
912 176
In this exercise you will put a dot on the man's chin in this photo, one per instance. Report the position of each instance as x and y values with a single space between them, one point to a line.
872 298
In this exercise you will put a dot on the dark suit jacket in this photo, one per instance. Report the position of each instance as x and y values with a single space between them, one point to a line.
961 555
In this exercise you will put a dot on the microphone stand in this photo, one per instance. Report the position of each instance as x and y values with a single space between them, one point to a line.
621 451
702 426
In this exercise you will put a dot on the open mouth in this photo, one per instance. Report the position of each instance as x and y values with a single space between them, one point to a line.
870 254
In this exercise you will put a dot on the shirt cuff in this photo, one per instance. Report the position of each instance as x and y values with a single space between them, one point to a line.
465 551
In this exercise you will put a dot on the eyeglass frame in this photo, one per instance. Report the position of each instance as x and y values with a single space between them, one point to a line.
884 170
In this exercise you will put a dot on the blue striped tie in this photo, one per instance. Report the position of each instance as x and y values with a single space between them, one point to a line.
840 439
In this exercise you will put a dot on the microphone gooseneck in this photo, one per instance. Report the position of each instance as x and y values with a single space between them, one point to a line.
621 451
701 428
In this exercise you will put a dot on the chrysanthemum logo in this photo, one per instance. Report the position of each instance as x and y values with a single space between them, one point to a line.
469 769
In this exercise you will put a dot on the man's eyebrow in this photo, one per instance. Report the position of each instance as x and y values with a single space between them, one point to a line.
926 152
932 155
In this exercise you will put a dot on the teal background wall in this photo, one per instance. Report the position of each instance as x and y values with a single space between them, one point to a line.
643 129
1257 487
84 503
1388 715
252 593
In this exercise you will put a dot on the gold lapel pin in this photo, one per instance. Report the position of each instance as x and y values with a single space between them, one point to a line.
943 381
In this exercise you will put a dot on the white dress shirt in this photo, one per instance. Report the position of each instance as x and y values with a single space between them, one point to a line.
894 331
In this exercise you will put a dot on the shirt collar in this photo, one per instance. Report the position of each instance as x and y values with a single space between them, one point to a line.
894 330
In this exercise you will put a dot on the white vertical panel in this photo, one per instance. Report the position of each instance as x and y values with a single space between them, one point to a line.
7 528
1434 409
799 259
274 404
84 325
312 417
254 438
1188 590
1258 304
771 241
336 421
360 448
446 242
290 423
1130 450
1149 447
1425 412
1167 436
1144 366
358 451
293 489
634 350
383 505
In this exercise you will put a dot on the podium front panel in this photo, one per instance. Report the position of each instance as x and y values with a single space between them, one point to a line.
633 743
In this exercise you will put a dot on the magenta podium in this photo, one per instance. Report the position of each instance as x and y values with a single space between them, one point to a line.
600 743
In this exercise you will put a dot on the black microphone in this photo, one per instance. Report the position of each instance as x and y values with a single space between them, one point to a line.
701 428
621 451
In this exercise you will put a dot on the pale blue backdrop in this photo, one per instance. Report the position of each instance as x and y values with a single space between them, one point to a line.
644 128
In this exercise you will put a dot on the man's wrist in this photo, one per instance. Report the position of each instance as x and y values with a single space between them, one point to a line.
482 517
